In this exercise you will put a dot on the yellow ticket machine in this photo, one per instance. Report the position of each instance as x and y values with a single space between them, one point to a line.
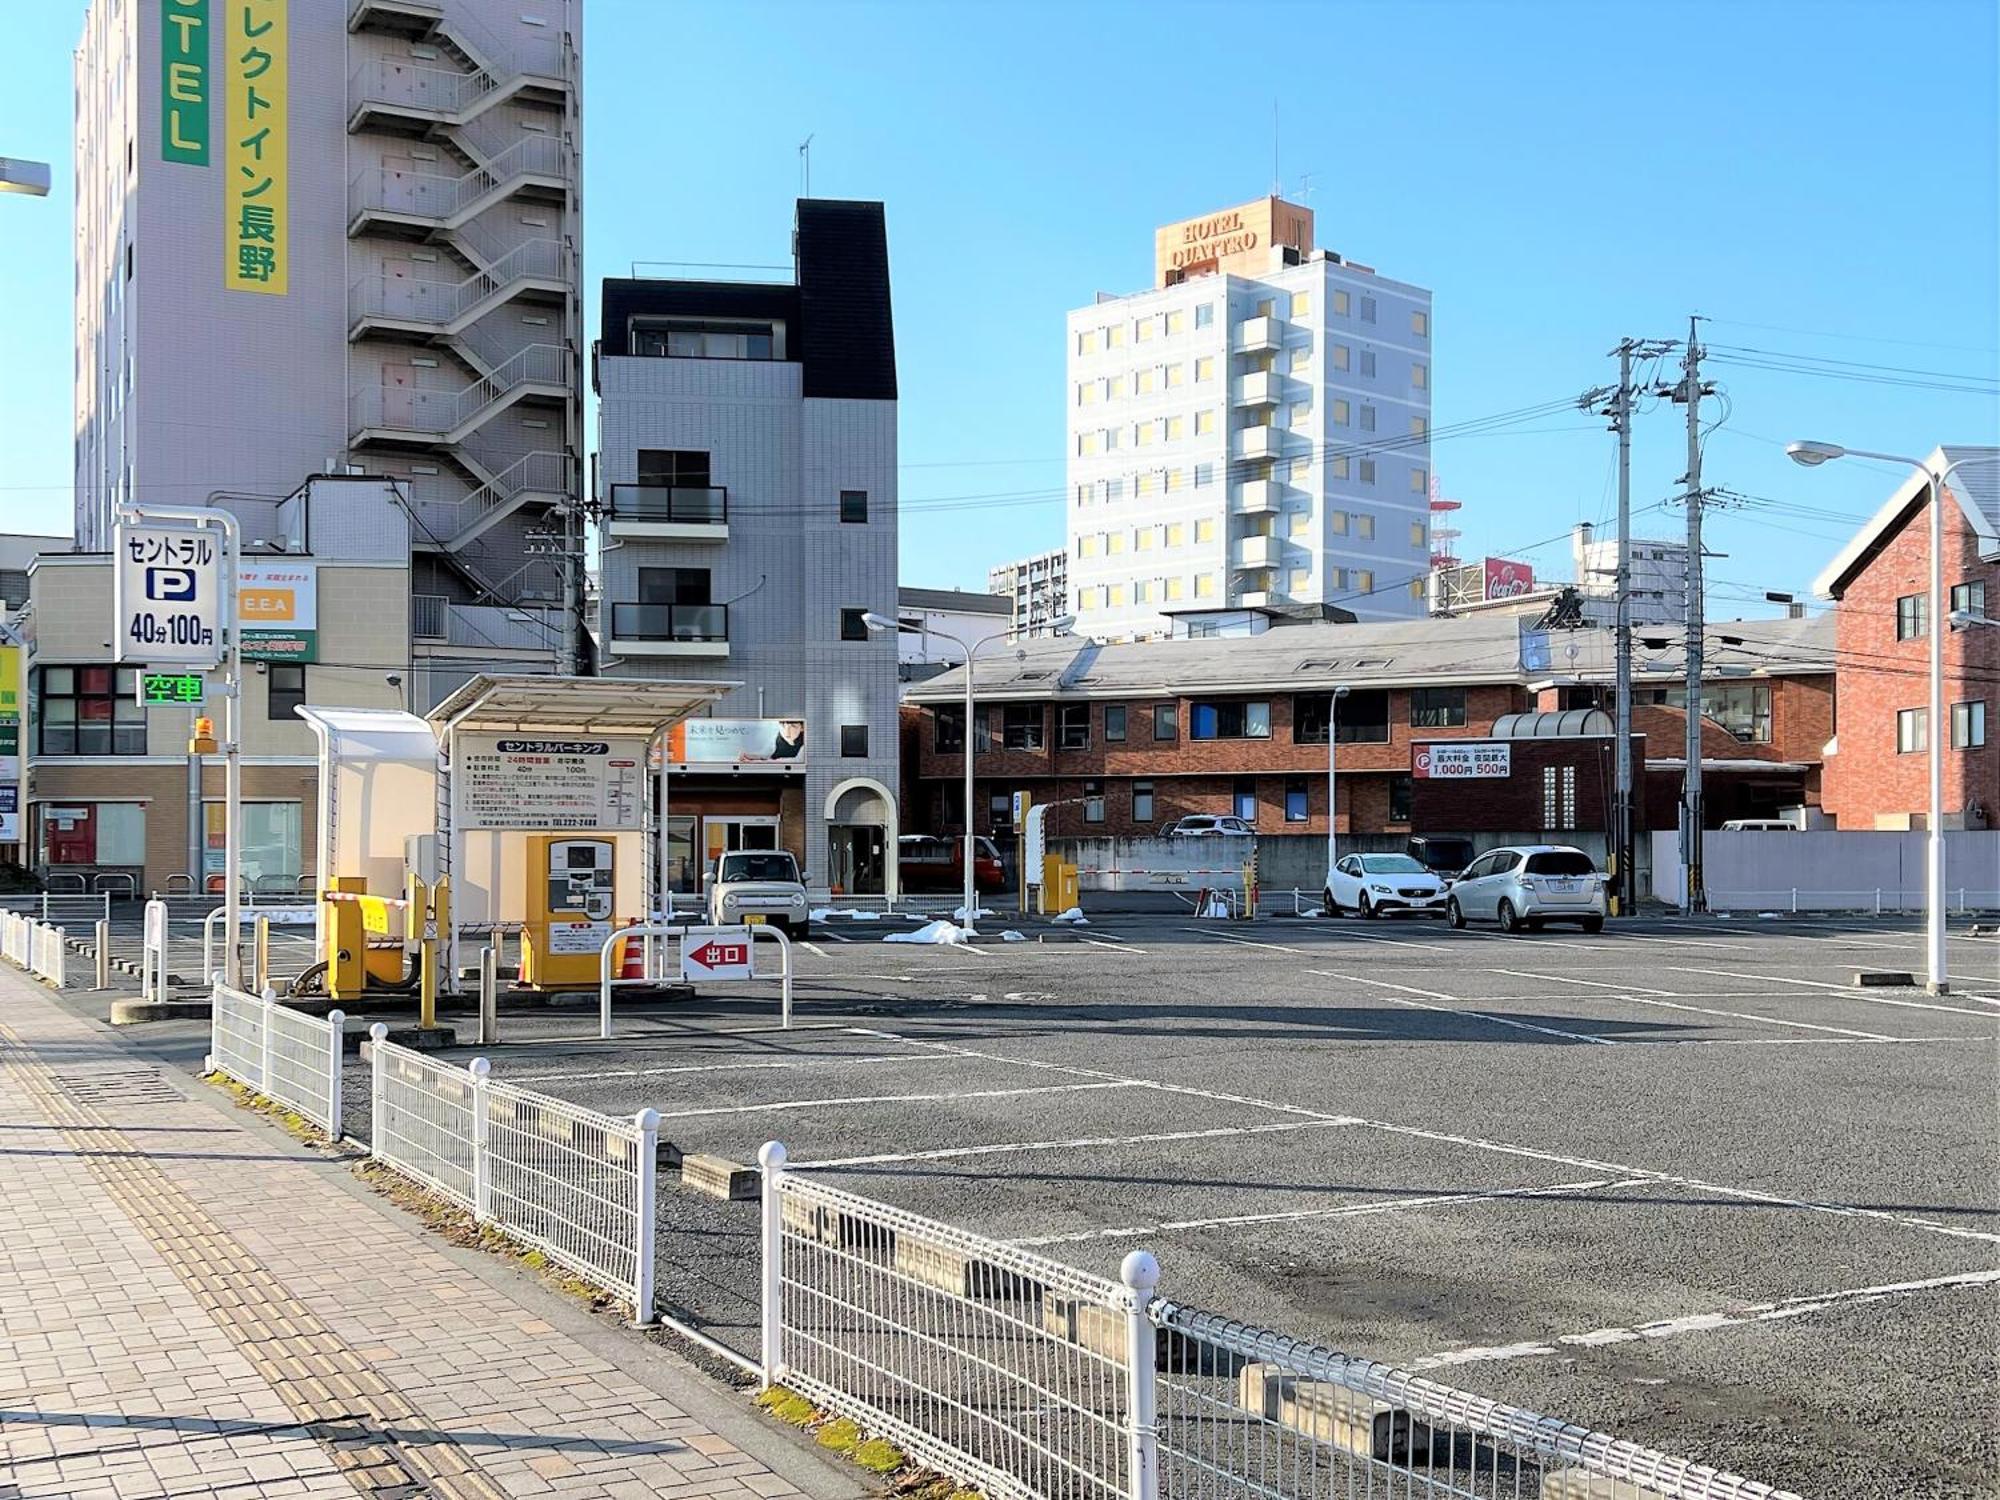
572 891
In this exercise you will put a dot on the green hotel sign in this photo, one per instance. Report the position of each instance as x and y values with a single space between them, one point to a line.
184 79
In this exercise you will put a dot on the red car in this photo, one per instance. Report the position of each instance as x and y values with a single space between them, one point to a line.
927 863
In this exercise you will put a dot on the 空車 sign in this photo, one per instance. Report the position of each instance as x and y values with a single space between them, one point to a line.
166 596
1473 761
716 953
514 781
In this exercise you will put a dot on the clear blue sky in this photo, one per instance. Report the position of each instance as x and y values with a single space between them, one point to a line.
1560 174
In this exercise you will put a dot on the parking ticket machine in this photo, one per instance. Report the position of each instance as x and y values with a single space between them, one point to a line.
572 890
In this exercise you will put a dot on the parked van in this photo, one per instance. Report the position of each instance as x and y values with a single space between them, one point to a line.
1759 825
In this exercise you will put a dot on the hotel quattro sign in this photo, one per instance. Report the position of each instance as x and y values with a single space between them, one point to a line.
1203 240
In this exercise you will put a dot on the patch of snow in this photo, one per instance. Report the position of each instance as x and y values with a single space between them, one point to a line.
1011 936
844 914
958 912
939 932
1074 916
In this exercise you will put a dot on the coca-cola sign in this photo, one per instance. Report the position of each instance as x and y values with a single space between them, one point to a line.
1505 578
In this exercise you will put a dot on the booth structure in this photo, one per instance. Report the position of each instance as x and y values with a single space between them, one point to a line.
531 800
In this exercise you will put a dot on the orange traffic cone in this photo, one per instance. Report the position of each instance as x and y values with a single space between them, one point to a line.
632 964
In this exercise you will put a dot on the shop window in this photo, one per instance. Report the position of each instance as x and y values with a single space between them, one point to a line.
90 711
273 853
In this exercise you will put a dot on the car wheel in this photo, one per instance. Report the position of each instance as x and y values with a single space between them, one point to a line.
1452 914
1510 920
1327 908
1593 924
1368 908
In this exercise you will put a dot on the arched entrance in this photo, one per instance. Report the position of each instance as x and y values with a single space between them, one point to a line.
861 838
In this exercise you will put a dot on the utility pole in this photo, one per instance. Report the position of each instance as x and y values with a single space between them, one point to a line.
1694 898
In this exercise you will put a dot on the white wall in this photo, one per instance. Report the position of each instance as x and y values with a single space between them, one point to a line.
1828 870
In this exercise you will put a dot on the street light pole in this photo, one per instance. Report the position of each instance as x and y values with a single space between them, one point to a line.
1811 455
1332 780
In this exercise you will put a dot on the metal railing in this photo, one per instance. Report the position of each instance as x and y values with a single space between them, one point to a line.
65 908
670 622
435 195
572 1183
1036 1381
693 505
404 85
286 1055
420 300
1880 900
430 408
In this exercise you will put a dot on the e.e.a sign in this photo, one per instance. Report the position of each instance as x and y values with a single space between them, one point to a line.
184 80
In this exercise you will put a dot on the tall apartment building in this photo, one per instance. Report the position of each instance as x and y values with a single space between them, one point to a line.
1037 587
1659 577
1250 435
747 499
341 236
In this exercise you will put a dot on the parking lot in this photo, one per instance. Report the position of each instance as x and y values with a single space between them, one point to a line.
1678 1181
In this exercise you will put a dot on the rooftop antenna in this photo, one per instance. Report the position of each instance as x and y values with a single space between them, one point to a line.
1305 187
1277 182
806 165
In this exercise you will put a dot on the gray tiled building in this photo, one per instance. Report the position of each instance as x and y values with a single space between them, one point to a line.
747 500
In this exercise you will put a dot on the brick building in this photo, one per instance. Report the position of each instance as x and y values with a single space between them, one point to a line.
1128 738
1877 769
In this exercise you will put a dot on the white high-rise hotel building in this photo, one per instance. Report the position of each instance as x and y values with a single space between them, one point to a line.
1251 435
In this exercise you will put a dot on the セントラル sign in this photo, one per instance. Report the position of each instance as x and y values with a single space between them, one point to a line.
255 229
1472 761
166 596
511 781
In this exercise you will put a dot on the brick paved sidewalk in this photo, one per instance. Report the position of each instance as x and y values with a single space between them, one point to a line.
191 1306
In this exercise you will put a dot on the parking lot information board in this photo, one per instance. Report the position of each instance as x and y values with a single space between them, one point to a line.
509 781
1480 760
167 596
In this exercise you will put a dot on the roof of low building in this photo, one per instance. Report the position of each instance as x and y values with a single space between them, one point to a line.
1976 488
958 601
1314 657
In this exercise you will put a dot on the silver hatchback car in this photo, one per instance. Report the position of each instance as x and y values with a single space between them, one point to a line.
1528 885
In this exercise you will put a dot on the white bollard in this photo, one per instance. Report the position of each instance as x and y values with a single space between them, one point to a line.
482 1191
336 1019
1141 1274
771 1157
647 1207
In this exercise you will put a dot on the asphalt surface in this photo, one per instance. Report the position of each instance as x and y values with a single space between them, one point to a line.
1678 1181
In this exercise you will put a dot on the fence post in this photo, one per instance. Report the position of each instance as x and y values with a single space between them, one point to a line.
482 1192
336 1019
263 952
647 1210
103 935
771 1157
489 996
1878 900
1795 901
1141 1273
264 1040
378 1034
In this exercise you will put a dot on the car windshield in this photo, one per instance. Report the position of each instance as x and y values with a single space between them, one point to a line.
759 866
1391 864
1561 862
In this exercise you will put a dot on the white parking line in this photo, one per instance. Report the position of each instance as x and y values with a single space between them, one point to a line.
1851 992
950 1153
1343 1211
813 947
1369 937
1650 998
1443 1137
794 1105
1464 933
1595 984
838 937
772 1065
1735 1317
1461 1009
1120 946
1244 942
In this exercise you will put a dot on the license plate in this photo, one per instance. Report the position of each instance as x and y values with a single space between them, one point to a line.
1565 887
754 919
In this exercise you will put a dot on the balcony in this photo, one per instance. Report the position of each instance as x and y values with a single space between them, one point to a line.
1258 497
1258 442
669 513
1254 335
1260 388
1255 552
669 630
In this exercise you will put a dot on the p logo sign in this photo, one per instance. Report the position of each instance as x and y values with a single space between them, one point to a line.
172 585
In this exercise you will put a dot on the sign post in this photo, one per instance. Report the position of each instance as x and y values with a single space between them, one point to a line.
174 604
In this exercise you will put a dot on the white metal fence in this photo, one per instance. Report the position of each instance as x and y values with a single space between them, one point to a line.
575 1184
63 908
38 947
1820 869
284 1054
1036 1381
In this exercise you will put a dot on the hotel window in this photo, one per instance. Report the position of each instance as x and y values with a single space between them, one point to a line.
1083 495
1340 356
1204 529
1086 341
1142 591
1340 304
1142 434
1339 413
1301 469
1176 533
1174 427
1204 368
1142 482
1114 336
1114 489
1367 308
1142 539
1143 330
1420 323
1204 474
1176 478
1086 392
1299 523
1114 542
1301 580
1417 534
1204 314
1336 521
1086 545
1142 802
1420 427
1368 363
1175 375
1176 322
1336 578
1367 418
1204 585
1968 725
1173 589
1913 613
1911 724
701 340
1111 439
91 711
1367 471
1420 377
1437 708
1969 598
1302 304
1114 387
1143 382
1086 444
1364 528
1301 413
1204 422
1114 596
1419 481
1338 464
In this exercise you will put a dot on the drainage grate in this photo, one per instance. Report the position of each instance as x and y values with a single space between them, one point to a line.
117 1086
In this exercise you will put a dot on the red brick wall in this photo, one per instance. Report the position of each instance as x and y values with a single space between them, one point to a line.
1878 674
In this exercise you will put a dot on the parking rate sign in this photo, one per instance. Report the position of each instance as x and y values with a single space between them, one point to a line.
167 596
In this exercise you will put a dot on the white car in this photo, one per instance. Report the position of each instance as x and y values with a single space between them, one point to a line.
1199 825
1376 883
759 885
1528 886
